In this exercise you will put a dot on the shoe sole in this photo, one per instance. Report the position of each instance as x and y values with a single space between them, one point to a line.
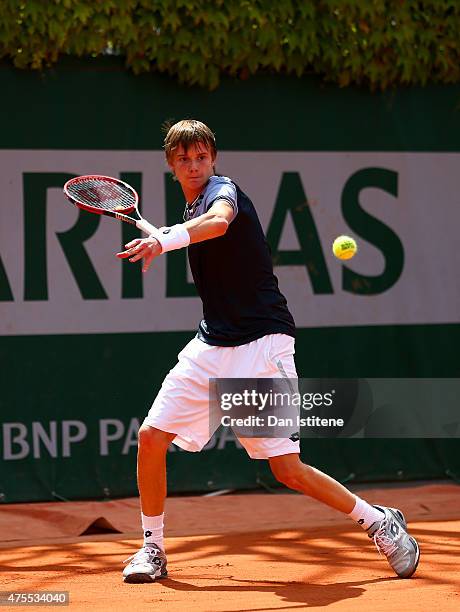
143 578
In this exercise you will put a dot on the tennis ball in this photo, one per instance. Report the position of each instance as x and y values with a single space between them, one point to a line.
344 247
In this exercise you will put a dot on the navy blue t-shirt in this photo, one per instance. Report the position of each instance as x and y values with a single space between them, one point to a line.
234 274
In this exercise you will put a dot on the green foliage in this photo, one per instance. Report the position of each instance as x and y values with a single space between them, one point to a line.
377 43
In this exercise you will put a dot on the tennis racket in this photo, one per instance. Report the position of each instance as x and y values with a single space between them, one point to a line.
109 196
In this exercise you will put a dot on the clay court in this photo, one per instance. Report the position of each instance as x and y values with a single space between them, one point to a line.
236 553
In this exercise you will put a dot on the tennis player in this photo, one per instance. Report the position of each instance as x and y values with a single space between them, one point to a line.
247 331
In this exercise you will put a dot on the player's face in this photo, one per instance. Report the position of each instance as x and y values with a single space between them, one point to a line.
192 167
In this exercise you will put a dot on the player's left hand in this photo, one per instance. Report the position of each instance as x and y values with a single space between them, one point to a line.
141 248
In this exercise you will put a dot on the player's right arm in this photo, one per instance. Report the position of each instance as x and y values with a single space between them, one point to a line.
211 224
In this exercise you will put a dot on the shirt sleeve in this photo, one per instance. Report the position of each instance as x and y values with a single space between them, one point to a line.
221 188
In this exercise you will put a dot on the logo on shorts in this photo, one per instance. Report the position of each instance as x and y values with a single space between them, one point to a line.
295 437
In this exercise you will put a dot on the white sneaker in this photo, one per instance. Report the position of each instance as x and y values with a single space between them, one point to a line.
391 539
147 565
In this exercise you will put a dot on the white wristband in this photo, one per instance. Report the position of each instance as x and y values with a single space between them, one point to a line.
170 238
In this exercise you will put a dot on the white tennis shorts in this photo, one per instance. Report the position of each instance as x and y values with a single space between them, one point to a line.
182 404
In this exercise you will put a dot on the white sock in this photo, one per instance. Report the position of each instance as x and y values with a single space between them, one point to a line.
365 514
153 530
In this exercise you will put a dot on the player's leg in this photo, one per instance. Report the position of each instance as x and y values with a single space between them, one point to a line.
296 475
274 358
151 480
179 414
387 526
149 563
151 468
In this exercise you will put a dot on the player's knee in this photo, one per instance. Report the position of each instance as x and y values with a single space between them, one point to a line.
292 475
152 439
288 478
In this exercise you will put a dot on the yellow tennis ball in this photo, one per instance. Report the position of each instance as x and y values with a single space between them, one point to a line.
344 247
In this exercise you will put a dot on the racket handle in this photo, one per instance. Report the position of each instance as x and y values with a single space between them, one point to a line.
147 227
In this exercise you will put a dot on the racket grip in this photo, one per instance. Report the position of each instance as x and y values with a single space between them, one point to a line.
147 227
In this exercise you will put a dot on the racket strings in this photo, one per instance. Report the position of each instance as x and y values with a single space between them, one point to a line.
103 194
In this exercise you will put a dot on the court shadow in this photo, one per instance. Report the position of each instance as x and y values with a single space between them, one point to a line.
295 592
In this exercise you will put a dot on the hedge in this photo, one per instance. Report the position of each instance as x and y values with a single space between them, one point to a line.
375 43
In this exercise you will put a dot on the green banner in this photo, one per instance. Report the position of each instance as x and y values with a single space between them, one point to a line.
69 428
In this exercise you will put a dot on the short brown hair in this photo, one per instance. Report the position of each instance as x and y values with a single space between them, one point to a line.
186 133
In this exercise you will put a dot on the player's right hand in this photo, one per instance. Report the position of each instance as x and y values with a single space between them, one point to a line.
141 248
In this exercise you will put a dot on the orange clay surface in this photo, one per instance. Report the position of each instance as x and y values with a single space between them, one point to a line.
236 553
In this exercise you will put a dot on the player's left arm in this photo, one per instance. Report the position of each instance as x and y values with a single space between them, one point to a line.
211 224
